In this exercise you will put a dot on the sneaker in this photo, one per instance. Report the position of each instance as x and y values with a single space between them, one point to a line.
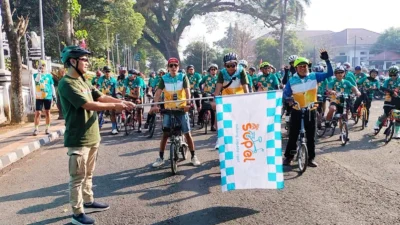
287 161
213 129
312 163
114 131
95 207
287 119
376 127
82 219
139 130
146 126
46 131
216 145
366 124
35 132
159 162
195 161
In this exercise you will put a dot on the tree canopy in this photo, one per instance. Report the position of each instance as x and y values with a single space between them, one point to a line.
388 41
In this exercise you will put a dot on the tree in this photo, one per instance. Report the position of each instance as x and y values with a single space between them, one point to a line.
14 32
166 20
237 39
267 49
290 10
389 40
194 52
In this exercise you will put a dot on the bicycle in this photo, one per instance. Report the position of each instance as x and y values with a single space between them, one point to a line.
342 119
207 114
177 139
101 118
130 119
362 111
394 116
191 114
302 150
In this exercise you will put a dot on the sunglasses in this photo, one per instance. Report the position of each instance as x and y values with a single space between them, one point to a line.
339 73
173 65
213 69
230 65
265 67
108 71
84 59
392 75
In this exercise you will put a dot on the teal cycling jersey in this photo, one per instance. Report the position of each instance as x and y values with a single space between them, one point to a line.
133 84
194 80
107 85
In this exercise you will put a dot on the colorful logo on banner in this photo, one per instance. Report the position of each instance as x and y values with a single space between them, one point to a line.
249 138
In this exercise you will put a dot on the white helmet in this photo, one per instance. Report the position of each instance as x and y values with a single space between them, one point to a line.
243 63
347 65
162 71
212 66
292 58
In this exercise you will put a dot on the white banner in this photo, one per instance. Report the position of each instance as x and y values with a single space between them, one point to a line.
249 138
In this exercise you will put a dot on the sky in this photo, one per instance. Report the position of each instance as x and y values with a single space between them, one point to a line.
333 15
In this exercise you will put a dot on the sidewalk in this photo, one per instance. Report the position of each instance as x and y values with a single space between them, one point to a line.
16 144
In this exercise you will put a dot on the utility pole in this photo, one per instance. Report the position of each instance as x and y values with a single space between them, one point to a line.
41 31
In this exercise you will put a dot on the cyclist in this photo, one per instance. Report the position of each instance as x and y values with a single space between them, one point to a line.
152 77
134 84
244 64
303 87
267 81
322 88
369 84
96 78
194 80
392 98
209 83
359 74
339 85
289 72
175 86
231 80
151 92
107 85
254 78
80 101
348 74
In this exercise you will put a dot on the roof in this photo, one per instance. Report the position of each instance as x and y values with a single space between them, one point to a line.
386 56
301 34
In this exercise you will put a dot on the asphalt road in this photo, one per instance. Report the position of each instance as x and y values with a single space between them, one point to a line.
355 184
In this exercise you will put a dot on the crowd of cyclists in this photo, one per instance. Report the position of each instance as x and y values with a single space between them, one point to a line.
302 83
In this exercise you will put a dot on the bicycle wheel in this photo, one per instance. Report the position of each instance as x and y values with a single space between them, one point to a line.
128 124
302 157
333 129
321 128
389 132
364 118
152 126
185 148
173 157
344 134
378 95
119 122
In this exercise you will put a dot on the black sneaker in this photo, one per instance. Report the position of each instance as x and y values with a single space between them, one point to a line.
287 161
82 219
95 207
146 126
213 129
312 163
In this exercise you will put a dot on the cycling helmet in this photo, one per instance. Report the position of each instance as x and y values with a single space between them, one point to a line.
374 70
212 66
230 57
190 66
301 60
252 68
106 68
265 64
394 70
73 52
133 72
162 71
318 69
340 69
243 63
292 58
347 65
357 68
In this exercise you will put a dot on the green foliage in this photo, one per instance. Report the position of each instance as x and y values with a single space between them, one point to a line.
74 8
193 55
388 41
97 63
81 34
267 49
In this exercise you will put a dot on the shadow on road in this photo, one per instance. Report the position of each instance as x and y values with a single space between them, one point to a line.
213 215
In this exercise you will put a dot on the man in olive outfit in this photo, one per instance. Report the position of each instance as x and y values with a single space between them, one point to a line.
80 101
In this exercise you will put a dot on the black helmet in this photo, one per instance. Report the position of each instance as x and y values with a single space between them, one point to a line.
106 68
190 66
73 52
230 57
374 70
133 72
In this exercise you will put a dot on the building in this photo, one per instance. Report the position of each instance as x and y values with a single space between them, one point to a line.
384 60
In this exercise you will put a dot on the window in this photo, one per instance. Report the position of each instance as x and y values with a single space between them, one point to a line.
363 58
363 53
342 53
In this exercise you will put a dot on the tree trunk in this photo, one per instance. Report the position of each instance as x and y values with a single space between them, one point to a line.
17 106
67 23
283 27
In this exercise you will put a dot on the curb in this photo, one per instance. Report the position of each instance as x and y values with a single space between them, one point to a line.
23 151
